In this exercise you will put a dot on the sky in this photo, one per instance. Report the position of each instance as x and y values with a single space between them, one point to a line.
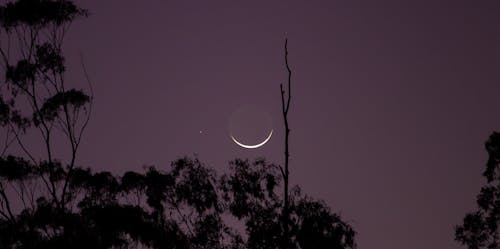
392 101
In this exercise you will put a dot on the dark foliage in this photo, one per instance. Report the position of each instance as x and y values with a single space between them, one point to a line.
250 193
22 73
480 229
38 12
53 106
49 58
179 208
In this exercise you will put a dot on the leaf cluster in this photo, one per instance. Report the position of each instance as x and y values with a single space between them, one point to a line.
38 13
480 229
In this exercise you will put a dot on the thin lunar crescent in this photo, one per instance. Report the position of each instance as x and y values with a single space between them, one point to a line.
252 146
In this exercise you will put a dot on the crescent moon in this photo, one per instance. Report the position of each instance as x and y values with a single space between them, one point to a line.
252 146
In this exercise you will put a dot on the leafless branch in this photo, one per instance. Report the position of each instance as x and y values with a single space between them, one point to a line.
285 107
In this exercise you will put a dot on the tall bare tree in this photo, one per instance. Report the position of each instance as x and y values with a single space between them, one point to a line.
285 107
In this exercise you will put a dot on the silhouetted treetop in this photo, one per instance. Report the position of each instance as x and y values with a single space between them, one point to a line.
181 207
250 194
493 147
317 227
250 186
480 229
39 12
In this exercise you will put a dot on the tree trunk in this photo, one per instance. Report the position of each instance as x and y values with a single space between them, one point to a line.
285 106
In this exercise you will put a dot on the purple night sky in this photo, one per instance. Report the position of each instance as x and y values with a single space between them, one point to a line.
391 102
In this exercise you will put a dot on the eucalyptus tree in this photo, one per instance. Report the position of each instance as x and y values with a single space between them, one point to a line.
37 102
251 194
35 96
481 228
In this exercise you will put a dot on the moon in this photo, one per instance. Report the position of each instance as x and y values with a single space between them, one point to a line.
252 146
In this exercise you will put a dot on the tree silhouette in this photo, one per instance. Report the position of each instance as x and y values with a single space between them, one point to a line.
36 96
306 223
51 203
480 229
285 107
250 191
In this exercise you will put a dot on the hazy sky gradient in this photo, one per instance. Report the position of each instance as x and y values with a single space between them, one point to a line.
391 101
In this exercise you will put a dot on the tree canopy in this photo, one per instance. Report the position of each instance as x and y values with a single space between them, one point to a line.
182 207
480 229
